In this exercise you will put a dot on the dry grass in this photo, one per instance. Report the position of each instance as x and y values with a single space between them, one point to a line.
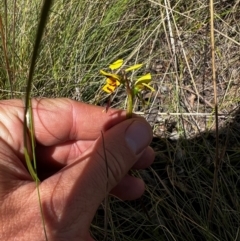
173 39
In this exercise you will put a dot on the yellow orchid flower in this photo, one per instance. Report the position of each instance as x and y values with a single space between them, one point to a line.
113 81
143 82
111 85
133 87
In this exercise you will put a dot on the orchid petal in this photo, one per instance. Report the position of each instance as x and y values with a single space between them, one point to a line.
116 65
144 79
149 87
109 75
108 88
112 82
138 88
136 66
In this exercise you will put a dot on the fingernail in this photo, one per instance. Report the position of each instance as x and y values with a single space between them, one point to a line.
138 136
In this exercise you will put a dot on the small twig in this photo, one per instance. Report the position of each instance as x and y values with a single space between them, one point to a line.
184 114
227 37
216 162
14 41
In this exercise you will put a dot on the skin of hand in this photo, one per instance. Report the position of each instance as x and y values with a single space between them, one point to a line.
71 138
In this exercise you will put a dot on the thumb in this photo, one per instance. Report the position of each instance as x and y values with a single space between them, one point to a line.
120 148
80 187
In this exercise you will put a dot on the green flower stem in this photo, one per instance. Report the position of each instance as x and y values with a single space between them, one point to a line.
130 96
129 104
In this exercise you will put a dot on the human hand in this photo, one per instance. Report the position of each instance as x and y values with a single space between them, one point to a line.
71 165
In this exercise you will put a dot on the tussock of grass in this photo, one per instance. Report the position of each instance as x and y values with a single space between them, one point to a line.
172 38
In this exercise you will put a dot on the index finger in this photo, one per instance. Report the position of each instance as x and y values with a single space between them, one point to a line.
59 120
